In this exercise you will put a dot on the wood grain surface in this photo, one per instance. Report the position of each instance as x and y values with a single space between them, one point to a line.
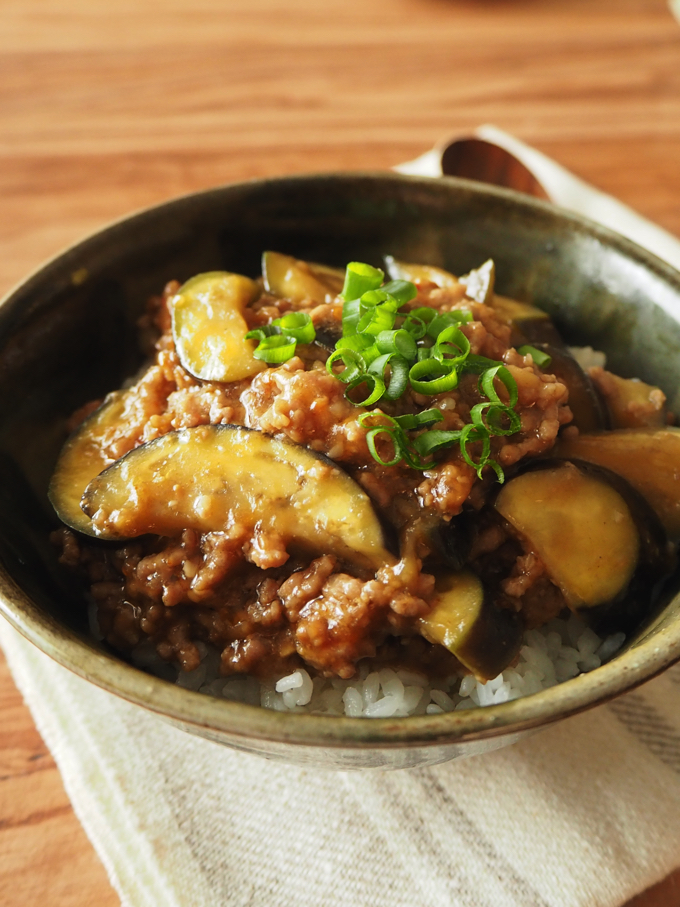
105 108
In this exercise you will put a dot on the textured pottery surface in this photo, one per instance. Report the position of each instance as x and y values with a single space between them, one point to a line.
68 335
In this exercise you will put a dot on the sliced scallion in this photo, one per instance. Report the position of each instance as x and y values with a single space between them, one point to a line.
351 359
297 325
375 388
409 421
359 279
397 342
541 359
430 376
275 349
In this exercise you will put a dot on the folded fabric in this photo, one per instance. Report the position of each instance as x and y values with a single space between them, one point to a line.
586 812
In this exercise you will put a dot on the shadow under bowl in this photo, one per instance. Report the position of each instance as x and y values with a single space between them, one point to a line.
68 334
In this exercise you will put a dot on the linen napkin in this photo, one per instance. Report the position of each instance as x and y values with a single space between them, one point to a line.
583 814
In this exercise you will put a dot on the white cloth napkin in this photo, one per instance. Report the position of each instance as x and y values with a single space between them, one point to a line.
584 814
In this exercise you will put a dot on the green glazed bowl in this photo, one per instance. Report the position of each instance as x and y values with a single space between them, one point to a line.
67 334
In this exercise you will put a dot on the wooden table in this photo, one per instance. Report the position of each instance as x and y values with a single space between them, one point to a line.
109 107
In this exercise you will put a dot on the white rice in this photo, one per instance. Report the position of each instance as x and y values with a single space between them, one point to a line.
560 650
587 357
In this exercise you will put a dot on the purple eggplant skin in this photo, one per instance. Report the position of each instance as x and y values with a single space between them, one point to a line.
656 559
494 641
537 332
471 622
585 401
656 563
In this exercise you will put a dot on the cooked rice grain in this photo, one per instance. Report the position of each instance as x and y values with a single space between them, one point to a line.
556 652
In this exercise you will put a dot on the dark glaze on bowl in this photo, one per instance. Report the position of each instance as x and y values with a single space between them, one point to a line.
67 334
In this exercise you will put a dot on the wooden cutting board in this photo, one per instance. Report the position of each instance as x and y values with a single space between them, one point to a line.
106 107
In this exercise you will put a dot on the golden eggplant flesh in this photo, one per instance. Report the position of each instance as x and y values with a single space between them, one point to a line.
209 328
215 477
82 458
404 270
291 278
484 637
648 460
631 403
598 540
529 324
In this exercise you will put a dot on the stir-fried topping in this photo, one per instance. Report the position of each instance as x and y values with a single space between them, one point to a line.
384 351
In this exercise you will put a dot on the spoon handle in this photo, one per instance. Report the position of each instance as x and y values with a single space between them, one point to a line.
562 188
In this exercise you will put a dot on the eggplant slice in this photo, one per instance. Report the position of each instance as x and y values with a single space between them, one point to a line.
212 477
599 540
81 459
404 270
484 637
209 329
649 460
297 280
529 324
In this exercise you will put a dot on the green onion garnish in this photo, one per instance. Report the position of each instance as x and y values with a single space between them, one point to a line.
401 290
430 376
383 352
409 421
397 342
541 359
297 325
375 388
359 279
351 359
277 341
275 349
376 319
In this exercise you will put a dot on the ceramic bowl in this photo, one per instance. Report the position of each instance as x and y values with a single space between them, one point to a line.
67 334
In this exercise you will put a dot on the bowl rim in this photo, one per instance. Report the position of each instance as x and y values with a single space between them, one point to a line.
641 662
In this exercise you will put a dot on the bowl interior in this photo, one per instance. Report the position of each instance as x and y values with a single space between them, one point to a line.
68 334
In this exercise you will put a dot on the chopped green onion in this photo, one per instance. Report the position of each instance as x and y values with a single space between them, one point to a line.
494 413
430 376
351 313
402 290
415 326
451 347
394 438
388 421
298 325
398 378
357 342
267 330
541 359
353 362
397 342
478 364
471 434
382 351
424 313
432 441
378 297
359 279
409 421
275 349
447 319
376 389
377 319
486 383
